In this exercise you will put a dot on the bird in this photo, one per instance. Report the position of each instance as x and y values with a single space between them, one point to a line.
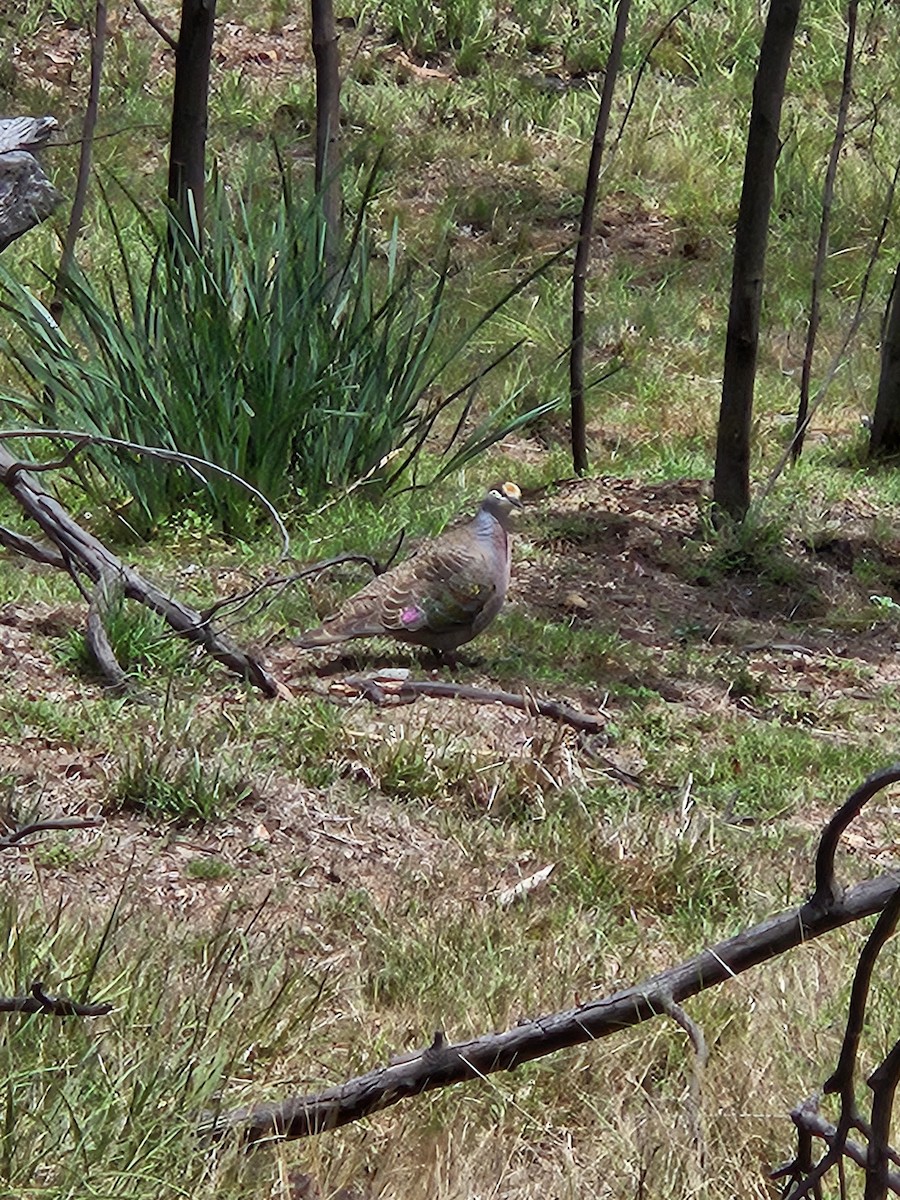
446 593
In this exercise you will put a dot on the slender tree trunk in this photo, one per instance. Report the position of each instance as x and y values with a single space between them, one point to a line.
731 491
824 224
187 148
328 124
884 439
583 250
88 125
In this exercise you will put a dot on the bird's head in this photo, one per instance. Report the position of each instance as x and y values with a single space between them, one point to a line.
503 502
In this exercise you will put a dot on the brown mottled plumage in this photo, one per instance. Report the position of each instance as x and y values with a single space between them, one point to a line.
443 595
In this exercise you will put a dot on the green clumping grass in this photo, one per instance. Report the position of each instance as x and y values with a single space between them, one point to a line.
144 645
208 868
254 354
171 778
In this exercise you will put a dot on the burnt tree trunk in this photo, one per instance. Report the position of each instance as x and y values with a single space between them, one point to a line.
884 439
731 491
88 125
328 124
583 249
187 145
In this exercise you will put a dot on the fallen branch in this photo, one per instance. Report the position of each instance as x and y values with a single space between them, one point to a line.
80 550
385 690
17 835
54 1006
81 441
98 642
442 1064
807 1119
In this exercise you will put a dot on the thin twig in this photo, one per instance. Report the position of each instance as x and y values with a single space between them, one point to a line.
644 63
240 599
583 249
381 690
25 831
76 217
698 1041
54 1006
156 25
192 461
838 359
815 309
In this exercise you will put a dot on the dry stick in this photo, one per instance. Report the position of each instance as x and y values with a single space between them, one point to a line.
645 62
583 251
701 1058
17 835
806 1118
382 691
98 640
441 1066
827 890
883 1082
842 1079
852 329
82 440
98 44
56 1006
96 561
156 25
815 311
28 548
240 599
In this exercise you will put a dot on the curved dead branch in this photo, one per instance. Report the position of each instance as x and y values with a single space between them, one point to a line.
385 690
24 831
826 886
81 551
82 441
54 1006
440 1064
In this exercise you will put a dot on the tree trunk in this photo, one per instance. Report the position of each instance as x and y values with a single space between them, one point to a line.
88 125
187 147
583 250
731 492
815 308
328 124
885 436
